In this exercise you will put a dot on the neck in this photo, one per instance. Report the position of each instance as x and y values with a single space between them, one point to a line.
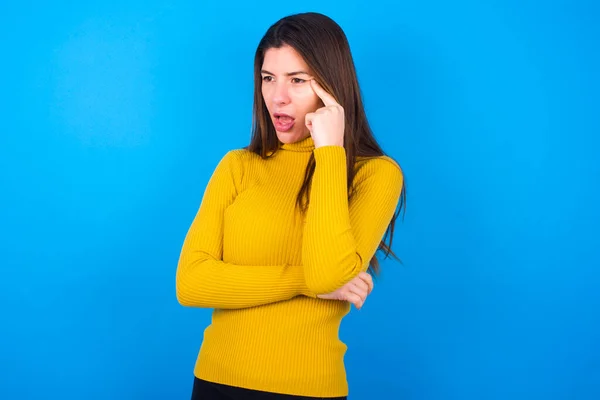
303 145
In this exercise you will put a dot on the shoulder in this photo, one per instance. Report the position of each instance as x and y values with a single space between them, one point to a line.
379 176
237 158
380 168
236 164
236 155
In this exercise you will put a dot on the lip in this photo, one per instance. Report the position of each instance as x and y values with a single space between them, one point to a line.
276 115
283 127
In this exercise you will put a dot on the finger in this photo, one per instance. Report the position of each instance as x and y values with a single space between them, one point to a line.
308 120
327 99
358 291
368 279
327 296
361 285
327 110
354 299
358 294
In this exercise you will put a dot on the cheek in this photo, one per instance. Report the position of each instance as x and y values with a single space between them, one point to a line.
266 95
305 98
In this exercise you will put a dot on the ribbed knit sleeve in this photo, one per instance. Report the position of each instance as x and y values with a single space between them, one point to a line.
204 280
339 238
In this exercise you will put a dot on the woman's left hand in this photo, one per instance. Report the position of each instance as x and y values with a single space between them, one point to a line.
354 292
326 125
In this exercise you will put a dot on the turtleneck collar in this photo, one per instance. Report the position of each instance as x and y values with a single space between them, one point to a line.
305 145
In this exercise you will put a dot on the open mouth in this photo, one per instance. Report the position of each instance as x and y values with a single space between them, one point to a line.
283 122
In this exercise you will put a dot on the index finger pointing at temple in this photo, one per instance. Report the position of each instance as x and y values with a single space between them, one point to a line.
328 99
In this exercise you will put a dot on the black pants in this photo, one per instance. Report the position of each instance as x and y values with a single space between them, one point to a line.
204 390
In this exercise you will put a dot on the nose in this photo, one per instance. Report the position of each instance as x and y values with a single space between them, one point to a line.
280 95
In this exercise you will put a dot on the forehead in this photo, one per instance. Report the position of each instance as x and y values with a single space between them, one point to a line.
283 59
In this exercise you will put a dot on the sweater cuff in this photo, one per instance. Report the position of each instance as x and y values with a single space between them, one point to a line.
330 155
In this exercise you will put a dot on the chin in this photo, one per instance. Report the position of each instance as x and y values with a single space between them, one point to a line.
289 137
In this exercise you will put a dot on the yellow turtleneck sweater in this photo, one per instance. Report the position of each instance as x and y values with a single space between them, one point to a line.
259 263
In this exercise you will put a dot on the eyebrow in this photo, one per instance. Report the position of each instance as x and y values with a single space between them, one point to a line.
288 73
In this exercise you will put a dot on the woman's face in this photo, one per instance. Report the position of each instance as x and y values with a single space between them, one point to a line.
287 92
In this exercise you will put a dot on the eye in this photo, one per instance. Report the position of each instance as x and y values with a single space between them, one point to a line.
267 78
298 80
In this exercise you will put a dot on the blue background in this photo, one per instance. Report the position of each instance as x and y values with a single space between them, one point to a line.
114 114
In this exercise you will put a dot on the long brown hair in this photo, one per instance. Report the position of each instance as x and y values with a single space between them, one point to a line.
325 49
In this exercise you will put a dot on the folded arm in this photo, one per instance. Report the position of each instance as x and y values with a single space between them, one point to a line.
204 280
341 238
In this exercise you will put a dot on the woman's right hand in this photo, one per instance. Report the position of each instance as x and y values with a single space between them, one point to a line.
355 291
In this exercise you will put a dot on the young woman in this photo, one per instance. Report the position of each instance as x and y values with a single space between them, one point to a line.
289 226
